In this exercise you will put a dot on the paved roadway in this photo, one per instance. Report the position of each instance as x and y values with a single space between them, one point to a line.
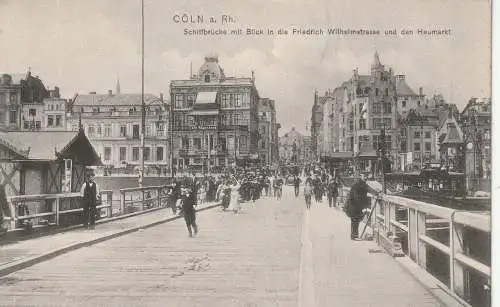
259 257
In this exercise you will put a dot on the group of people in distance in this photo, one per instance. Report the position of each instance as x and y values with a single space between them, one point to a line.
232 189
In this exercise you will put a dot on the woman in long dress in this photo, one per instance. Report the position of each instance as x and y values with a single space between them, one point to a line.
235 197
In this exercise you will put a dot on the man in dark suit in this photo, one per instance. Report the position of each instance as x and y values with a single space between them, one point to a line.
296 185
357 201
90 195
189 211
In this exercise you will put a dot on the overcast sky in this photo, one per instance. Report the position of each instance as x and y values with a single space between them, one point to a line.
83 45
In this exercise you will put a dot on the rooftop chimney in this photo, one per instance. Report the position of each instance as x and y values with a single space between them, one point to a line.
253 76
420 91
161 97
110 92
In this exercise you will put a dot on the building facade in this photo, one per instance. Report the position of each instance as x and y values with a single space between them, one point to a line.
295 148
268 144
55 112
21 102
475 120
347 121
112 122
214 119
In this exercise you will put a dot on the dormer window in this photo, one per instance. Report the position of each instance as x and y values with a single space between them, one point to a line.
207 78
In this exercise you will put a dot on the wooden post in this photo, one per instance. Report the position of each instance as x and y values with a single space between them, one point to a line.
160 189
142 200
56 209
421 246
13 214
392 217
122 202
457 272
109 201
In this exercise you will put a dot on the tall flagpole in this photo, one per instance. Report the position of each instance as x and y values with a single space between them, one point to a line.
143 106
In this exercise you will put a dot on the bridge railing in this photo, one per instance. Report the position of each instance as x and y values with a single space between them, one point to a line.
49 209
440 240
143 198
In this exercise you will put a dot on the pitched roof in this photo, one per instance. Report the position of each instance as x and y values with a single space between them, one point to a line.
453 136
114 99
39 145
44 145
403 89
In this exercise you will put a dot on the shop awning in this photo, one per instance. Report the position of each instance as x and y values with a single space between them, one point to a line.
204 112
368 155
206 97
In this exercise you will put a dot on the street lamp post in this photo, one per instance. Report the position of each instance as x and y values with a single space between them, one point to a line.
421 142
143 106
382 150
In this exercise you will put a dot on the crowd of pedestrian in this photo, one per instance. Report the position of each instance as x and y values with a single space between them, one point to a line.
230 190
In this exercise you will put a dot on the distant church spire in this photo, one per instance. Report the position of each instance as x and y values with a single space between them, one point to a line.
376 59
118 85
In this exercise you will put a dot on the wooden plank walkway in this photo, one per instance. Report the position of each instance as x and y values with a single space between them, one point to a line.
249 259
355 273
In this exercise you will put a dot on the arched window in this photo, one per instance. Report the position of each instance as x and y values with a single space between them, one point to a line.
207 77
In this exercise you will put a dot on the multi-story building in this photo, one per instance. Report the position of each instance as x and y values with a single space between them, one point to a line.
369 106
451 141
406 98
268 132
215 118
354 113
417 139
55 111
112 122
21 102
316 124
295 148
475 121
306 150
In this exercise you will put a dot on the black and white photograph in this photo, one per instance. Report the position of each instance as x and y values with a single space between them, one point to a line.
311 153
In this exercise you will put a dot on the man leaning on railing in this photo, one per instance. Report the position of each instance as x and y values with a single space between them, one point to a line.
90 194
357 202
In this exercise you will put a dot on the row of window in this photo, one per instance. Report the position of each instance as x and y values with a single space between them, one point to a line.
227 100
50 121
185 121
385 108
97 130
235 100
416 146
417 134
135 154
58 107
365 142
196 143
132 111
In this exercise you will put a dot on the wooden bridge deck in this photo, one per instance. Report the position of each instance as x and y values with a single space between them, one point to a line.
271 254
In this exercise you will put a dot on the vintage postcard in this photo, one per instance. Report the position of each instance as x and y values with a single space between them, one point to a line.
246 153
